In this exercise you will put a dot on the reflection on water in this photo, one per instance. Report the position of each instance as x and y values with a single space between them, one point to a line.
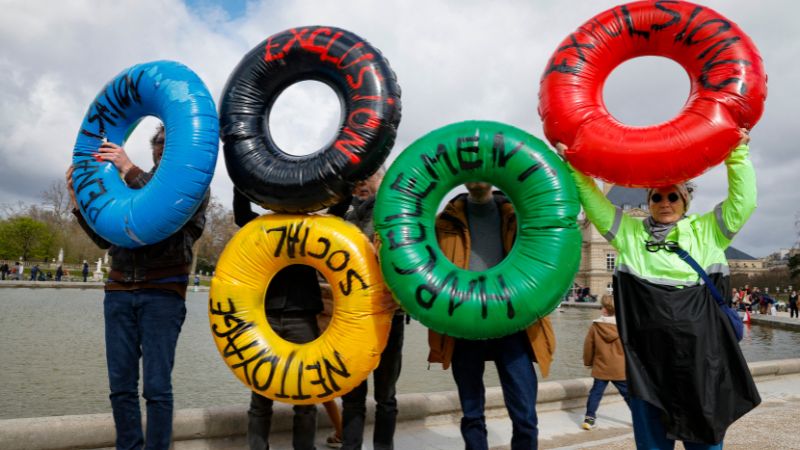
53 356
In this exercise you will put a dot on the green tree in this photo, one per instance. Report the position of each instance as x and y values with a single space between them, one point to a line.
25 237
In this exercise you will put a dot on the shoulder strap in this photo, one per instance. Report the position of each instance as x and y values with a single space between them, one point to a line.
684 255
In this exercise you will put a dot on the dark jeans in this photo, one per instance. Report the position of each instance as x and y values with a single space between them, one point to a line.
354 403
649 432
512 356
142 324
299 329
596 394
792 311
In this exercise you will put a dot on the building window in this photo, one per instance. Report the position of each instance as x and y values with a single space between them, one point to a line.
611 261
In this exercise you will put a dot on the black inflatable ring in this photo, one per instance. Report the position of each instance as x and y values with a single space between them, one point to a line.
370 97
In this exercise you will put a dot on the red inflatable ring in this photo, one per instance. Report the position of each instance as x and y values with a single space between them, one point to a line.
728 90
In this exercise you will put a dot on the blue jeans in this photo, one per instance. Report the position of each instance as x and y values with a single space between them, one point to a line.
512 356
354 403
596 394
142 324
649 432
297 328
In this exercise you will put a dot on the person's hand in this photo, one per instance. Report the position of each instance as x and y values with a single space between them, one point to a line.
561 149
72 201
745 136
115 154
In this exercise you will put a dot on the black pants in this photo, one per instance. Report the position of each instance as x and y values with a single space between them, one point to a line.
354 403
298 329
793 310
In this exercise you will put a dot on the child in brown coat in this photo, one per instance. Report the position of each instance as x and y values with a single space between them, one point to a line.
602 350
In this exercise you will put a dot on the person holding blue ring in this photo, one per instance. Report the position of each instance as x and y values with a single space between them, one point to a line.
143 311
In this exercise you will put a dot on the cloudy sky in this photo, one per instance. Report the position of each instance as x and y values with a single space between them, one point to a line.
455 60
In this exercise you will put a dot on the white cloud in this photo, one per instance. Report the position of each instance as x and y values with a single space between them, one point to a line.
455 60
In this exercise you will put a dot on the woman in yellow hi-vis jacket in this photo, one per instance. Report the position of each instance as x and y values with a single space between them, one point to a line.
687 377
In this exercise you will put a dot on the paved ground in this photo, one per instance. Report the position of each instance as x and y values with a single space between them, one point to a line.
773 425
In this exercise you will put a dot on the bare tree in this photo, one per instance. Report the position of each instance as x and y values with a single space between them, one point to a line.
219 229
797 228
9 210
56 199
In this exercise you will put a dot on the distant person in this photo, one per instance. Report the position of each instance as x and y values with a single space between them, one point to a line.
20 271
735 300
59 272
793 304
771 309
576 293
4 270
475 231
144 309
602 351
196 282
34 272
760 299
85 271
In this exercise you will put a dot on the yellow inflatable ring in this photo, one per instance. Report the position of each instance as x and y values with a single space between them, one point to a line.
345 353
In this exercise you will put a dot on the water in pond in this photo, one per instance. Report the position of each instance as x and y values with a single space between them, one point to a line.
52 360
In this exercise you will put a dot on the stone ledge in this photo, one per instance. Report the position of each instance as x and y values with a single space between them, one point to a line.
785 323
52 284
222 424
584 305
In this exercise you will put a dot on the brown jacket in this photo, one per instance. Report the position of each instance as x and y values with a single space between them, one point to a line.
602 349
452 232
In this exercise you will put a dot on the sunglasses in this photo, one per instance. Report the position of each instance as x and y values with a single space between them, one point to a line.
672 197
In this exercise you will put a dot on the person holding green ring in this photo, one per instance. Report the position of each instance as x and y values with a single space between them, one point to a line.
475 231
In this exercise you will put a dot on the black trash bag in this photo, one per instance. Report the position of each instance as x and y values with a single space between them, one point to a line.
682 356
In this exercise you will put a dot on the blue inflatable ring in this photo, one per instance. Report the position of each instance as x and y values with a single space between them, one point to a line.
173 93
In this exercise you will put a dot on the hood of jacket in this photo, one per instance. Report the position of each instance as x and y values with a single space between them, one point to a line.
606 328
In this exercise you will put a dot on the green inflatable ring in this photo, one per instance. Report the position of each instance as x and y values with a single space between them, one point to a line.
529 283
